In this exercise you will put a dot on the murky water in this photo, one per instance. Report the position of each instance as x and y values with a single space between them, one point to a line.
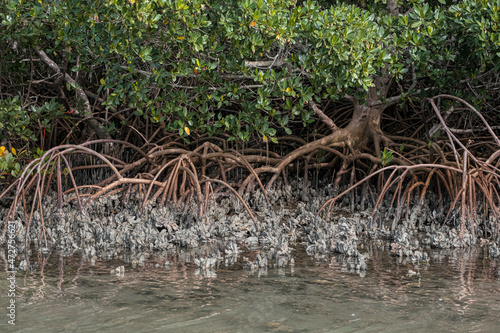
455 293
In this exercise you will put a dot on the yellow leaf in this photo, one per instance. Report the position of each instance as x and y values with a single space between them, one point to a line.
103 82
14 152
180 38
157 118
264 138
187 130
2 150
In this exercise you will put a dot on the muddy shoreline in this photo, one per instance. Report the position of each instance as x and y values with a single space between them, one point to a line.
110 228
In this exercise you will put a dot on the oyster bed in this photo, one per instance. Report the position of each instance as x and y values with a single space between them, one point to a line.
108 227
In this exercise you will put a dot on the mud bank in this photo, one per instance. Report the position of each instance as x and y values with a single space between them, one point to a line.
110 226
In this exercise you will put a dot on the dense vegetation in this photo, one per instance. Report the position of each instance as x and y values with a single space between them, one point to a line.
342 86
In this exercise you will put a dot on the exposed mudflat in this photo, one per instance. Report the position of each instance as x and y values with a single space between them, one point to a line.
108 227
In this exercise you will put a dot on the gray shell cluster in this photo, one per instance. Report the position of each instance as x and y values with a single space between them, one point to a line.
108 225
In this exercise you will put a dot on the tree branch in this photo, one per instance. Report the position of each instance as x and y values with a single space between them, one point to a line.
87 115
323 117
193 76
278 62
394 99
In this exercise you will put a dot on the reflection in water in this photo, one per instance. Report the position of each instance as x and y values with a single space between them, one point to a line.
457 292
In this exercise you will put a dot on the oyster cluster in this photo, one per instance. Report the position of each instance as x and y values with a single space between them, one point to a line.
108 226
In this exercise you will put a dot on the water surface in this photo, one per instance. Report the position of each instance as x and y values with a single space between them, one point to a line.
455 293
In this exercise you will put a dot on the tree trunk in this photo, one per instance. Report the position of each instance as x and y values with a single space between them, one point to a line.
363 128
